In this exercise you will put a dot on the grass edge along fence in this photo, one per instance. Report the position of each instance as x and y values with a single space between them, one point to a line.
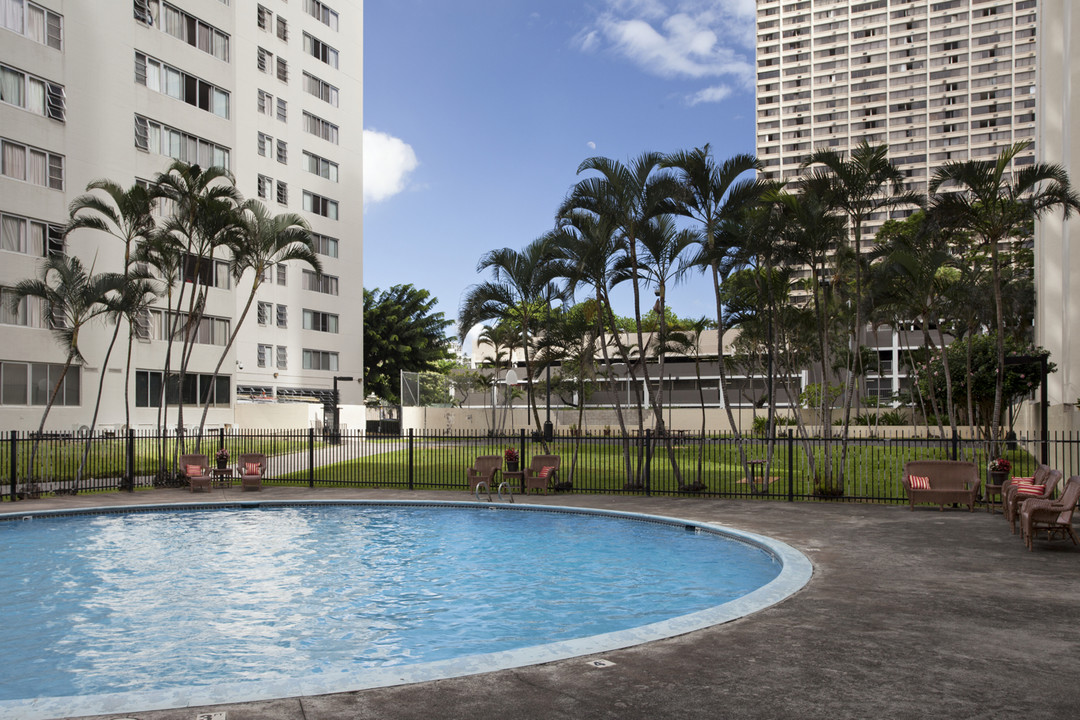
597 464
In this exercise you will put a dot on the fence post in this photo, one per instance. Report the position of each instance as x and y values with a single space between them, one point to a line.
129 461
648 461
311 456
221 437
410 458
955 445
790 466
14 465
521 457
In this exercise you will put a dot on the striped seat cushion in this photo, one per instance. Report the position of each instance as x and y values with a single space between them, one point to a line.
251 468
1024 486
545 471
918 482
193 470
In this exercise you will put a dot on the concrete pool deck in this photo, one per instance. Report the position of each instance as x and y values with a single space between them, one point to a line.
921 614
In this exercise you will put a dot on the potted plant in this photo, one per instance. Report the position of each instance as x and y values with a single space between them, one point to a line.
511 458
999 471
222 457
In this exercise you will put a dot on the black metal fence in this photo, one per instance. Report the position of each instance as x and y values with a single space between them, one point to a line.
786 467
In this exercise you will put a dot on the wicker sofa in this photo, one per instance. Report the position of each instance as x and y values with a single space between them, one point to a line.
950 482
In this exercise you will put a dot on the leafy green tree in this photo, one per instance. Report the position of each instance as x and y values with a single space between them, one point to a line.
997 202
401 332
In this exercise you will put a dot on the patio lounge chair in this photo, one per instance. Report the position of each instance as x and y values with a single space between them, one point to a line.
941 482
1053 516
197 471
541 471
251 467
1043 484
483 470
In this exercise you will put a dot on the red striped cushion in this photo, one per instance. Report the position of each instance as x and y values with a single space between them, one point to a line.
545 471
1026 481
192 470
251 468
918 482
1027 488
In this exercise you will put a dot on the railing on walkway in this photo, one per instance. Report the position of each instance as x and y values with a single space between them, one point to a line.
786 468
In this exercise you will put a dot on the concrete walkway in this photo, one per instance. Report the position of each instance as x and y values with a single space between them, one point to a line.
921 614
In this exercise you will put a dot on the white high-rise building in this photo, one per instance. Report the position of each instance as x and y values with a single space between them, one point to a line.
272 91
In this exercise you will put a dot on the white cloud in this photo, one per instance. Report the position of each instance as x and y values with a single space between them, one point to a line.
716 93
692 39
591 145
387 163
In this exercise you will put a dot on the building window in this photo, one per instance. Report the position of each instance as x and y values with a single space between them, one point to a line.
266 103
265 187
161 139
180 85
17 315
183 26
318 49
321 166
265 60
265 143
281 273
282 110
36 238
33 21
320 321
264 353
324 245
216 391
282 357
264 312
264 18
282 193
322 13
317 282
282 70
282 316
320 128
320 89
320 205
31 164
282 29
35 94
320 360
282 152
32 383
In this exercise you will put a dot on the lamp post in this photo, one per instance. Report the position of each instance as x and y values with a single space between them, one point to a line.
336 439
1044 370
549 429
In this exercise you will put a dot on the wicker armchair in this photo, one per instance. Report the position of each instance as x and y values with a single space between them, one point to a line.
1012 498
1053 516
483 470
541 471
247 462
197 471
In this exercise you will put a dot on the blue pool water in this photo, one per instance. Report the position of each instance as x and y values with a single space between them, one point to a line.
125 602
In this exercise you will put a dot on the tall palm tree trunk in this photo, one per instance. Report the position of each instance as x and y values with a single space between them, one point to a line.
97 407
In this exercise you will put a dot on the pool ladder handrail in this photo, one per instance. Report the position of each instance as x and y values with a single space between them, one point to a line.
487 489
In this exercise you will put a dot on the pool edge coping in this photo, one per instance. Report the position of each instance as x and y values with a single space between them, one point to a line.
795 573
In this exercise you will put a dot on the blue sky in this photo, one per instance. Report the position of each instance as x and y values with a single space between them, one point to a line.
477 114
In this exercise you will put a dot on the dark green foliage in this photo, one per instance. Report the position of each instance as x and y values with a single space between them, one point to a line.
401 333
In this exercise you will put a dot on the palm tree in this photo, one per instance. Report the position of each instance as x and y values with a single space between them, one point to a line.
71 298
519 291
713 195
128 216
996 204
858 187
203 203
630 196
265 240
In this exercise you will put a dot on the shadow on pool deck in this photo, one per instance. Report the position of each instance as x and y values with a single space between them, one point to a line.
909 615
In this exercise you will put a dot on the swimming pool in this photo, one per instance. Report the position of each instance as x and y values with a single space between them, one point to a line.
170 607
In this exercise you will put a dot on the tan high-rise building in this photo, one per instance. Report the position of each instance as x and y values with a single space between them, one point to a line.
271 91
